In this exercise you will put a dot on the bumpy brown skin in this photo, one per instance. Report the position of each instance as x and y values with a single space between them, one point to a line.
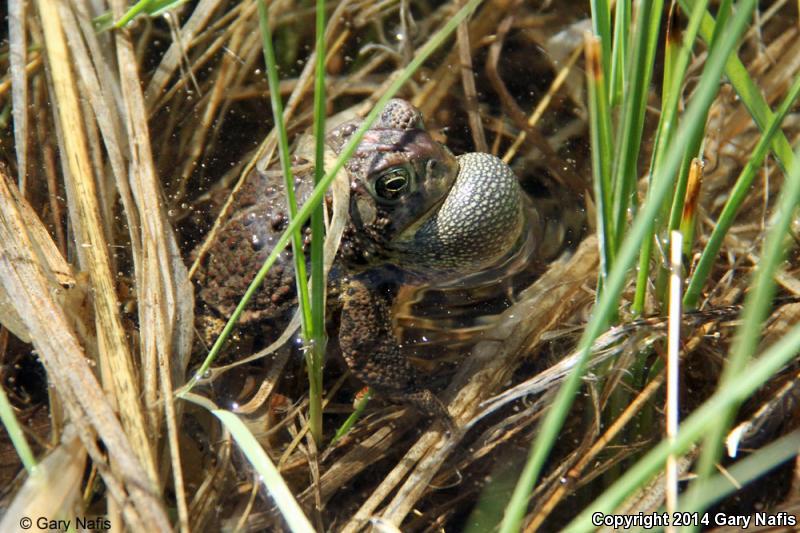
242 247
372 351
413 213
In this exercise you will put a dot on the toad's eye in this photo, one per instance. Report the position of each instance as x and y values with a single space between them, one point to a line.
392 184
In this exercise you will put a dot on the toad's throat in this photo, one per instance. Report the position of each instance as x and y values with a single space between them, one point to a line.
478 224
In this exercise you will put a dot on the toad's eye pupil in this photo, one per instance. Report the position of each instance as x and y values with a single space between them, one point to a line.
392 184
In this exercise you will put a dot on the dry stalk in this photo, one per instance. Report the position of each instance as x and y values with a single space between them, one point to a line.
163 288
19 80
430 97
172 58
470 93
24 279
115 357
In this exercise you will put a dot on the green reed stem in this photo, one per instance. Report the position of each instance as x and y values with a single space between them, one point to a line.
619 52
756 307
15 433
629 135
601 27
740 191
606 306
692 429
315 357
286 168
746 90
676 63
602 155
319 191
348 424
694 151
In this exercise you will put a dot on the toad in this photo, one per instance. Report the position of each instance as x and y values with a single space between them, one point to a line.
418 216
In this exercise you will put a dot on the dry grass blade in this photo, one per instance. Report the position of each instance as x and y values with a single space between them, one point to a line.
116 360
164 291
59 273
483 23
470 93
25 282
19 80
162 284
177 50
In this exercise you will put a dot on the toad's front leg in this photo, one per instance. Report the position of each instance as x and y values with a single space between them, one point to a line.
373 352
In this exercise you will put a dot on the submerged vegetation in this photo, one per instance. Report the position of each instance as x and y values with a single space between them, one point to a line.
651 367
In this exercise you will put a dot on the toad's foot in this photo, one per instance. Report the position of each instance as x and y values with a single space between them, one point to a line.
373 352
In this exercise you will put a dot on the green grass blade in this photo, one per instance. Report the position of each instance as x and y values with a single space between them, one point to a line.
696 143
316 355
756 307
286 168
629 135
619 52
676 62
601 26
602 154
319 191
261 463
15 432
152 8
606 306
692 429
748 91
740 191
348 424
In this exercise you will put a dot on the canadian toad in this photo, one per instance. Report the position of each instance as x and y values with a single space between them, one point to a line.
417 216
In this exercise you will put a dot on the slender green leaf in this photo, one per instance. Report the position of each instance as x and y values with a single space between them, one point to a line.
348 424
740 191
757 303
747 90
286 168
692 429
642 226
601 26
676 64
619 52
280 492
629 135
602 155
319 191
15 432
316 355
152 8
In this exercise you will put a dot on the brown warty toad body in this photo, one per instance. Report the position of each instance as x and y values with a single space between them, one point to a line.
418 216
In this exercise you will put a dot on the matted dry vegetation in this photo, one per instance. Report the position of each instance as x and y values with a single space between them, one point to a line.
124 147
